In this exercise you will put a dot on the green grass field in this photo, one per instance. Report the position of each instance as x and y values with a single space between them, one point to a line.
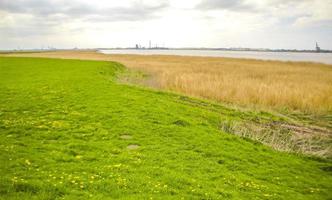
68 130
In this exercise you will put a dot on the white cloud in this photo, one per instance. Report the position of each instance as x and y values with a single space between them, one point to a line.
209 23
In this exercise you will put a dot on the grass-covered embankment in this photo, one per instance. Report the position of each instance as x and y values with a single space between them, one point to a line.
285 87
68 130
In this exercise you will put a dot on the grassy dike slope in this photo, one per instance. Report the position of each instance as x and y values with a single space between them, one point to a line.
65 129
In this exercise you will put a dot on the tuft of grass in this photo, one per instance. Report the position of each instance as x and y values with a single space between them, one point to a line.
283 136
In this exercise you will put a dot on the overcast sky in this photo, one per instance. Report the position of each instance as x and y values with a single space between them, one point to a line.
173 23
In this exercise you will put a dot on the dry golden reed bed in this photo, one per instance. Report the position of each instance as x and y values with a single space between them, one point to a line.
302 86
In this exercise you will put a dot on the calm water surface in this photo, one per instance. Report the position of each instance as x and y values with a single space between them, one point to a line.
283 56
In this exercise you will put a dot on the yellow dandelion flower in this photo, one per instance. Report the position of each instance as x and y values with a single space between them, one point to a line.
27 162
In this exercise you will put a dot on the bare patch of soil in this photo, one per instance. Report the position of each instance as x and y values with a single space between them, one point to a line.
132 146
126 137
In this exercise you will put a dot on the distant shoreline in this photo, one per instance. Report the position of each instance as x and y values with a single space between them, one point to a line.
286 56
225 49
166 48
323 58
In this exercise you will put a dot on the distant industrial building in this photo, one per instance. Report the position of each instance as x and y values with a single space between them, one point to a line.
317 48
156 47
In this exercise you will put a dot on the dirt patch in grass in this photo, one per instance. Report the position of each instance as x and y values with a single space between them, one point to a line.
126 137
132 146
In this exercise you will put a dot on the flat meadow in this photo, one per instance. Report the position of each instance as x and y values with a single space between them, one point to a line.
294 86
75 129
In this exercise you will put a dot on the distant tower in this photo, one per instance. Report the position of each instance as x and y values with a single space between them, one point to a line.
150 44
317 47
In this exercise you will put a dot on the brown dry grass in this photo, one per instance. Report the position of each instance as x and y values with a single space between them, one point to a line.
270 84
284 137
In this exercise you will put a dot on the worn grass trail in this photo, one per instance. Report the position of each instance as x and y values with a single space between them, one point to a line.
65 129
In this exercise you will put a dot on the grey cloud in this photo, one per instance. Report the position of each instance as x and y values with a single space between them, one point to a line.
75 9
28 28
234 5
47 17
29 6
